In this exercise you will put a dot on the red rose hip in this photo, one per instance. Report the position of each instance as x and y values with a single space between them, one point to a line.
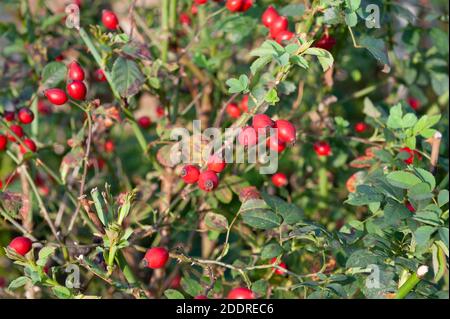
279 24
25 115
144 122
156 257
190 174
3 142
262 121
360 127
109 20
241 293
279 180
208 181
21 245
269 16
286 131
248 136
76 90
29 146
233 110
234 5
322 148
281 264
76 73
216 164
17 130
56 96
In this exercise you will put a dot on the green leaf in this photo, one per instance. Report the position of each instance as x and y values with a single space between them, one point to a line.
426 176
95 194
370 109
44 253
272 97
352 5
191 286
292 10
216 222
61 292
422 235
364 195
403 179
260 287
271 250
351 19
126 77
53 73
224 194
443 234
443 197
238 85
326 60
420 191
259 63
257 214
173 294
18 282
300 61
376 47
291 213
395 212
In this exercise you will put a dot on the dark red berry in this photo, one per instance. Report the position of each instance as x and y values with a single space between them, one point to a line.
248 136
281 264
109 20
326 42
233 110
412 154
176 282
18 130
360 127
208 181
144 122
410 207
109 146
156 257
286 131
241 293
160 111
44 108
3 142
190 174
279 179
275 144
216 163
414 103
25 115
76 72
279 24
185 19
269 16
29 146
322 148
246 4
284 35
9 116
262 121
76 90
244 104
21 245
99 75
56 96
234 5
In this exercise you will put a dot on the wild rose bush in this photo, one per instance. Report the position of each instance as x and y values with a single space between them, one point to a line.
93 204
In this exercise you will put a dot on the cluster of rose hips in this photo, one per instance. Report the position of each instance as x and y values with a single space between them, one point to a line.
75 87
206 180
239 5
235 110
24 116
278 25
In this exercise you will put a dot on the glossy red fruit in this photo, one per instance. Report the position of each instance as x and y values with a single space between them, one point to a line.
76 90
244 104
25 115
144 122
29 146
99 75
200 297
18 130
281 264
234 5
109 146
275 144
9 116
241 293
208 181
190 174
160 111
286 131
176 282
76 72
269 16
361 127
109 20
279 180
284 35
322 148
233 110
326 42
412 154
21 245
246 4
184 19
56 96
3 142
248 136
156 257
279 24
194 9
262 121
200 2
216 164
414 103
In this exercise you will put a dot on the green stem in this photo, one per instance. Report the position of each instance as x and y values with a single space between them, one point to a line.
126 269
323 182
35 123
412 281
165 29
173 14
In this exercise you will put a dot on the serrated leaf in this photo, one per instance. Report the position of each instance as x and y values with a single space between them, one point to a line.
443 197
271 250
291 213
325 58
18 282
403 179
53 73
257 214
126 77
216 222
61 292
